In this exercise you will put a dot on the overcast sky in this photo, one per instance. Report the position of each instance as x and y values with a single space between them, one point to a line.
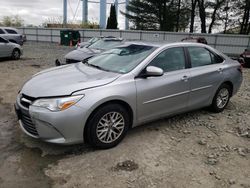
37 12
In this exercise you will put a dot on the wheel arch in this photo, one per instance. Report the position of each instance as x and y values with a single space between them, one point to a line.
16 49
114 101
230 84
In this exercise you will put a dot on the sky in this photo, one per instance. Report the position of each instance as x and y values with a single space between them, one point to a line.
36 12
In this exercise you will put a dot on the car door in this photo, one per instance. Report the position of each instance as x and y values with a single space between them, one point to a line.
166 94
206 75
3 49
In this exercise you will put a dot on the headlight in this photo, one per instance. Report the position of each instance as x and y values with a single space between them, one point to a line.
58 104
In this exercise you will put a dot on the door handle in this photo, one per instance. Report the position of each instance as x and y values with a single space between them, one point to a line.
184 78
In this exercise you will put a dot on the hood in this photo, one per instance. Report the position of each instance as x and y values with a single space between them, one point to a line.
64 80
82 53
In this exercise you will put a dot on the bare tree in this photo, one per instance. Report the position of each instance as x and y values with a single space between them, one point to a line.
202 14
192 17
215 6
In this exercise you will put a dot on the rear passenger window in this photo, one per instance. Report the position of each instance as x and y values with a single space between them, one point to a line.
170 60
1 31
201 57
10 31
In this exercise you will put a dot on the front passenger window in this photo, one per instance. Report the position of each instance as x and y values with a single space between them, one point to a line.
170 60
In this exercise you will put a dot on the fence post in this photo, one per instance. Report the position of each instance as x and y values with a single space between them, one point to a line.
36 34
51 37
248 42
83 36
215 43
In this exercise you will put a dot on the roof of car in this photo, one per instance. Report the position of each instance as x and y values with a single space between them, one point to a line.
160 44
9 28
112 39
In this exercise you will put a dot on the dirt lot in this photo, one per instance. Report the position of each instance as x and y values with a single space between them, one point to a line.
197 149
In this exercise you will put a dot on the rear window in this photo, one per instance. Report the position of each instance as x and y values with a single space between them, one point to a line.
10 31
1 31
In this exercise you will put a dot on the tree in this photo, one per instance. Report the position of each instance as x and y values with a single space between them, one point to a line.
112 19
245 22
202 14
164 15
215 5
12 21
192 16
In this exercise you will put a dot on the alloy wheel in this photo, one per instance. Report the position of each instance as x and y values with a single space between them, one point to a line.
222 98
110 127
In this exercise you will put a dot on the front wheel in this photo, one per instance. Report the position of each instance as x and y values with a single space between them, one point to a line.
107 126
16 54
221 98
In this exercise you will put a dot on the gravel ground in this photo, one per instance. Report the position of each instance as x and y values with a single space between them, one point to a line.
196 149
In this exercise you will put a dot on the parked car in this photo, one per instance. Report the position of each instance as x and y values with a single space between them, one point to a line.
245 58
82 54
195 39
91 41
10 49
98 100
12 35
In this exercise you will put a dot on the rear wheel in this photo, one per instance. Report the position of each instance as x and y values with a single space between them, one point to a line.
221 98
16 54
107 126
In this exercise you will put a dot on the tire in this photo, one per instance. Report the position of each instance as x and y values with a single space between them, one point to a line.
15 54
221 98
101 132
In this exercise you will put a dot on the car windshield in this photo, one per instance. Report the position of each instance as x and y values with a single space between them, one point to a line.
121 59
104 44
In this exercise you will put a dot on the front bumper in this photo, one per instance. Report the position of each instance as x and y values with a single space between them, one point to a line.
65 127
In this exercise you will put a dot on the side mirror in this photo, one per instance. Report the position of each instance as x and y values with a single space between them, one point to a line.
153 71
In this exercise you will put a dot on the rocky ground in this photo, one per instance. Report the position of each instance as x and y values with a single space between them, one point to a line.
197 149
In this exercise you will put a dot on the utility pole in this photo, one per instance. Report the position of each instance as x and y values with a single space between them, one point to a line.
64 13
116 8
126 19
103 10
84 11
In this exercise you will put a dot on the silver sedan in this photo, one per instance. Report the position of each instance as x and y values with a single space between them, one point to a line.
10 49
97 101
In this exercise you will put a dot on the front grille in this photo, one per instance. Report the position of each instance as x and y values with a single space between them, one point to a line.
26 101
69 61
28 125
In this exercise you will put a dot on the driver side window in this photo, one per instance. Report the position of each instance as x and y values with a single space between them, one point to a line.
170 60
